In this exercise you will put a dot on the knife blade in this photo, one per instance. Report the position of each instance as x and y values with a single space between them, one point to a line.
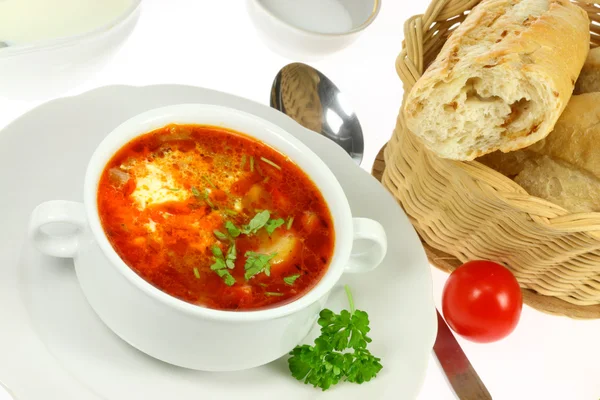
460 373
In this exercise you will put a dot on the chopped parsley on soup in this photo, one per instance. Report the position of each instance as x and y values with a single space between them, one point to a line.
215 218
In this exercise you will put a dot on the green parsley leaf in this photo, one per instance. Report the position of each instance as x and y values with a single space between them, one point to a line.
220 235
231 256
227 277
273 224
218 264
233 230
362 366
257 263
289 223
196 273
217 252
221 265
197 193
257 222
291 279
275 294
342 329
348 329
340 353
311 365
208 200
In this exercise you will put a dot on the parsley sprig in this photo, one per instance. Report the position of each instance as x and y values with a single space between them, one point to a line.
257 263
233 230
222 264
259 220
289 280
340 353
273 224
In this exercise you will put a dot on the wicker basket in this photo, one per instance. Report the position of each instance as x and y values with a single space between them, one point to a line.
470 212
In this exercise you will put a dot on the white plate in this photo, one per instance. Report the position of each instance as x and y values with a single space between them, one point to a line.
52 345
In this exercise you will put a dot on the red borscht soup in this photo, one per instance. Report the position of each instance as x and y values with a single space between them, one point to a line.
215 218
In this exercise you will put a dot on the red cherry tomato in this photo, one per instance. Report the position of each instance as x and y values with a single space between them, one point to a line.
482 301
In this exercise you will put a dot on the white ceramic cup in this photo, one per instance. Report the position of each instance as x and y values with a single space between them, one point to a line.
308 30
170 329
48 69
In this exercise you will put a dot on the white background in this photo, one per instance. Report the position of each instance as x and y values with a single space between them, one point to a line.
212 44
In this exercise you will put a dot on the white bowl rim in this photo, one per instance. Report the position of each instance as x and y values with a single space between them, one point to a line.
361 27
277 311
16 50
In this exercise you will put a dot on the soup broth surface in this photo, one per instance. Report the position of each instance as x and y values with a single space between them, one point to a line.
215 218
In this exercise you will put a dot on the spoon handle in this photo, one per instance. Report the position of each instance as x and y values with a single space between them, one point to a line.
460 373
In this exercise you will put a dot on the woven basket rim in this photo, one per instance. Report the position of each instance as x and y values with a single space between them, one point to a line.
469 211
409 71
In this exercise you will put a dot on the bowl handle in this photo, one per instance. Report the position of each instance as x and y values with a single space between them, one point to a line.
369 247
55 227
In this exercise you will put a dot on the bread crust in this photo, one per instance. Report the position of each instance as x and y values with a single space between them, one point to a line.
589 79
501 80
576 135
560 183
564 167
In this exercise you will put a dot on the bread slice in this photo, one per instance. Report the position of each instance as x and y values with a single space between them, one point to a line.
564 167
576 136
557 181
560 183
589 79
501 80
509 164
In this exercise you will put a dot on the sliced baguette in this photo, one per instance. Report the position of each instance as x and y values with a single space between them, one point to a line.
501 80
560 183
564 167
576 136
548 178
589 79
509 164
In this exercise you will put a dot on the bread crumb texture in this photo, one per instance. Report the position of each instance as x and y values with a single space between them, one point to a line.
501 80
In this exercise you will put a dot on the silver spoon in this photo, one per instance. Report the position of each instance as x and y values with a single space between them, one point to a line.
312 100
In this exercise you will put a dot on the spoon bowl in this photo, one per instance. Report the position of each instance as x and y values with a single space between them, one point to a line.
311 99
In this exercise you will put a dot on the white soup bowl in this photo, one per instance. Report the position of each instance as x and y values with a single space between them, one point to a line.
170 329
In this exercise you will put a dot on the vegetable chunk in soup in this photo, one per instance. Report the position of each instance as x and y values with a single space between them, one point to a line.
215 218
